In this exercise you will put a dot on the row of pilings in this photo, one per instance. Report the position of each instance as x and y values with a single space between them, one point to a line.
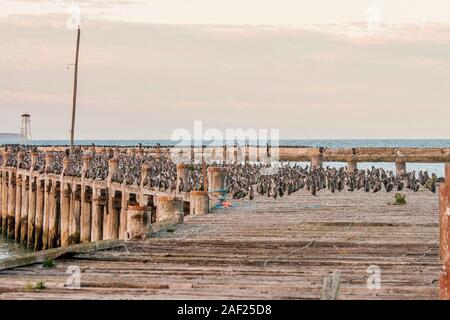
43 210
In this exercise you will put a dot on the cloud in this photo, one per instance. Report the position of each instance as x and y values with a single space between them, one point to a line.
141 80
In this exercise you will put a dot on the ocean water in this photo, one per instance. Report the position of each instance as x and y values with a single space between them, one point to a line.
333 143
9 249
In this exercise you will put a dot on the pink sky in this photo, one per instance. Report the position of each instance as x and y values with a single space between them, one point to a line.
310 71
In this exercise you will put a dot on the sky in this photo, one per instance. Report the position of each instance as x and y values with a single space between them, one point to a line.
312 69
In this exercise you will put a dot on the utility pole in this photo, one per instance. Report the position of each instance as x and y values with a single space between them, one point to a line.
75 83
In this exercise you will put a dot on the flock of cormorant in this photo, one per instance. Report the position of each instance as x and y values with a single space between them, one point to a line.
242 179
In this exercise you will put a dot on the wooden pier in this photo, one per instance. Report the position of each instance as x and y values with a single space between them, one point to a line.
261 249
44 210
266 249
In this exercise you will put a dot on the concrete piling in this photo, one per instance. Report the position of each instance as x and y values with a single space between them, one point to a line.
199 202
49 158
113 164
182 175
137 222
316 160
169 208
400 166
352 163
216 182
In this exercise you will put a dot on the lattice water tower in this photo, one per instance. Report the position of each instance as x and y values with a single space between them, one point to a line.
25 131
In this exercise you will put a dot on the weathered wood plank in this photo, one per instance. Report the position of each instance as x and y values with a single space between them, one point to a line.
263 249
41 256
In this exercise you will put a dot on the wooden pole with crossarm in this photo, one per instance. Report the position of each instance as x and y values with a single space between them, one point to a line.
75 84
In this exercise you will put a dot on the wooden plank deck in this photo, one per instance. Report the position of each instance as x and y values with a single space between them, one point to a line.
265 249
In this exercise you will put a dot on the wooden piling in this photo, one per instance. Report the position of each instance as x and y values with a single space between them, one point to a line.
97 216
123 214
4 199
31 213
114 208
11 205
86 203
75 214
65 213
39 215
18 209
86 214
25 210
53 217
47 209
111 219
